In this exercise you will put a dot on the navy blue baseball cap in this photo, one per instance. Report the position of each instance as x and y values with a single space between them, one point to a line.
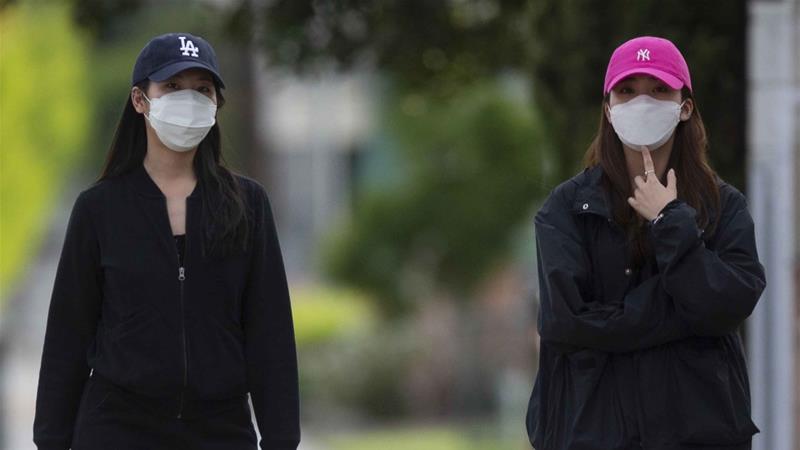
168 54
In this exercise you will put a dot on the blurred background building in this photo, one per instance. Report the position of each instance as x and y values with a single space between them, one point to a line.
406 146
773 121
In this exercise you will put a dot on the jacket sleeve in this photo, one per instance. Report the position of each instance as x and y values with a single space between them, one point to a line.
71 325
568 314
272 374
715 290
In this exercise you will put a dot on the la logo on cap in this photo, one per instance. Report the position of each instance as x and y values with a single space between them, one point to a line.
187 47
642 55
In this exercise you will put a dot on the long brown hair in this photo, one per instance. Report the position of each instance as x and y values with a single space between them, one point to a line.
225 228
697 181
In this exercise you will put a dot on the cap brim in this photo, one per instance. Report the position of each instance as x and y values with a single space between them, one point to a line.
171 69
671 80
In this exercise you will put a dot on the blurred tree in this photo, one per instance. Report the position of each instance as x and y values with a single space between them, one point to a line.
44 123
442 45
438 44
473 164
102 17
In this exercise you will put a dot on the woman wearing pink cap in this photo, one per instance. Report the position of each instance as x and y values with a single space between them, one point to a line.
647 268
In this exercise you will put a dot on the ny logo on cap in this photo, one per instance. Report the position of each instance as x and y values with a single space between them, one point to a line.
187 47
642 55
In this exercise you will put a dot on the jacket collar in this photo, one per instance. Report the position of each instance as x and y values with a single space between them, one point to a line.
146 187
153 207
590 197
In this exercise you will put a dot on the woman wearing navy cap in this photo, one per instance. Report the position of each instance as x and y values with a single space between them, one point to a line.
647 268
170 301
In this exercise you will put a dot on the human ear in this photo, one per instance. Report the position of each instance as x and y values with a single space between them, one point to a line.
138 100
686 109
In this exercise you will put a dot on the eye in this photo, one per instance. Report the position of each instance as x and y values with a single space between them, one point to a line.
625 90
661 89
204 89
172 85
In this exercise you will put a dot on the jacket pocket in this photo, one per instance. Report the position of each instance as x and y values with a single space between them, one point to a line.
584 410
693 394
130 324
141 352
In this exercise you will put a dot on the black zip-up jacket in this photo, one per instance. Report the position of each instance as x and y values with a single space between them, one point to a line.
642 359
192 339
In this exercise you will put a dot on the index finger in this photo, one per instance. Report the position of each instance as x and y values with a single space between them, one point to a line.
648 161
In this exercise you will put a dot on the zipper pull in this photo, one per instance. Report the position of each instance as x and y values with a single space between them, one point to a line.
181 273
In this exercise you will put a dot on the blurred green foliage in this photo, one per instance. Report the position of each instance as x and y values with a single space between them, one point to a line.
564 46
323 314
438 45
352 362
101 17
44 122
474 163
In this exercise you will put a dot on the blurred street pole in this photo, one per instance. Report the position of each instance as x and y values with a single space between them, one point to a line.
774 124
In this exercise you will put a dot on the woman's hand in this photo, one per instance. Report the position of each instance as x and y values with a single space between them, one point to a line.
650 197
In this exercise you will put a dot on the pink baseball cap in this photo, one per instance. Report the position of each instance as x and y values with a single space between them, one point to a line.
648 55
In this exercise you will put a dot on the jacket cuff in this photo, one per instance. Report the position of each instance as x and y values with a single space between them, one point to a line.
674 234
672 203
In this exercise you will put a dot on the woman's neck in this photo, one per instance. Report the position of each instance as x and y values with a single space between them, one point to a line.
172 171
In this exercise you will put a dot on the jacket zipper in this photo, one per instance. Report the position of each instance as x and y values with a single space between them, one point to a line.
181 277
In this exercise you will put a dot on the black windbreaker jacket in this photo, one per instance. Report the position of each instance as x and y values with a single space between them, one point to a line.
193 339
642 359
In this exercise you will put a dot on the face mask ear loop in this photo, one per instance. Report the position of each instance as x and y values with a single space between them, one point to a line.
147 114
680 110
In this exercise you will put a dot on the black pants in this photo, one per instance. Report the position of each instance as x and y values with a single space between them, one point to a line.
111 420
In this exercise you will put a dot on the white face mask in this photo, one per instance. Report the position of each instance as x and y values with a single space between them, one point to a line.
645 121
181 119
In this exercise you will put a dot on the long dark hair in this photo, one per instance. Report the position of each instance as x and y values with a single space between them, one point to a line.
697 181
226 229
